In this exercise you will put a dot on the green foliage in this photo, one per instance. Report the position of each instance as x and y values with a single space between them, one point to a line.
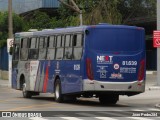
104 11
137 9
39 20
110 11
94 12
18 26
3 43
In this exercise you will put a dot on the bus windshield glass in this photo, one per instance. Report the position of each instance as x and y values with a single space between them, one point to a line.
121 40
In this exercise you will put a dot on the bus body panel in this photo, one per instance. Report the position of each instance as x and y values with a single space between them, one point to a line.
73 78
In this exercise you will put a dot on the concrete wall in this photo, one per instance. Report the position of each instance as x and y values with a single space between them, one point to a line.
4 75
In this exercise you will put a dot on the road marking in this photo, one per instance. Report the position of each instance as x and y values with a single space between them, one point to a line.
25 107
1 101
105 118
71 118
87 114
138 110
37 118
139 118
114 114
37 107
153 109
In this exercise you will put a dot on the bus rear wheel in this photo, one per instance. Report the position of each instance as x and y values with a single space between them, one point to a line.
58 92
26 94
108 99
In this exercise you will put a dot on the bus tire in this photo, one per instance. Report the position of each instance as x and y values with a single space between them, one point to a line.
58 92
26 94
108 99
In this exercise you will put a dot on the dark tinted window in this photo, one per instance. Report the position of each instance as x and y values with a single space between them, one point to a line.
51 48
59 53
24 49
16 52
43 47
77 46
33 48
68 53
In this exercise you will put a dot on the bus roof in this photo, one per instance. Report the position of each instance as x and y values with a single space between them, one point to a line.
73 29
60 30
24 34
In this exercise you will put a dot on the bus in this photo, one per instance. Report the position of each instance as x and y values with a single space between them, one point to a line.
102 61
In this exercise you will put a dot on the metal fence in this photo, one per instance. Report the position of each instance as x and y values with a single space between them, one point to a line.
3 59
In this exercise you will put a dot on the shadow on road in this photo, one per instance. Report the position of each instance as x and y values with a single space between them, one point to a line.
79 102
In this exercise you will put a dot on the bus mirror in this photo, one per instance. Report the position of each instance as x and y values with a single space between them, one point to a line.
11 50
87 32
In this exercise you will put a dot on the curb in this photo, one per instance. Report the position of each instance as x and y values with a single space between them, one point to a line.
4 85
154 88
151 72
157 105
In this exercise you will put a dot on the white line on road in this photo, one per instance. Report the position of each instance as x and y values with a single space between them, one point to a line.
37 118
114 114
105 118
153 109
139 118
87 114
138 110
71 118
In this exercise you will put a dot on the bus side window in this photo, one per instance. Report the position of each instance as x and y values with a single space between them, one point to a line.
58 41
68 49
51 48
24 49
77 46
33 48
59 47
16 52
42 47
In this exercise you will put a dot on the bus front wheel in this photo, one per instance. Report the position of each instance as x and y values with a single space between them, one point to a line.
26 94
108 99
58 92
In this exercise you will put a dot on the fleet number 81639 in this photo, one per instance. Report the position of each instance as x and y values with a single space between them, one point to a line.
129 63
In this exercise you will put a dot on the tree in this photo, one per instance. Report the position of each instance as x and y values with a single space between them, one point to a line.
104 11
137 8
110 11
94 12
18 24
39 20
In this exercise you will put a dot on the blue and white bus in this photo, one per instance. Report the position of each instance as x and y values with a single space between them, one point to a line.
103 61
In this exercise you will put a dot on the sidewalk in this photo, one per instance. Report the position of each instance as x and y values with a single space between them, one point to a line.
4 83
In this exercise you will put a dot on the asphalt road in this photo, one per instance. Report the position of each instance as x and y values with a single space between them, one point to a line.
12 100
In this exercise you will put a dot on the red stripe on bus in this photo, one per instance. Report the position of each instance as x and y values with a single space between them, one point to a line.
45 80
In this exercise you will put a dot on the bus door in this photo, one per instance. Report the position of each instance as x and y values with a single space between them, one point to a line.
15 65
